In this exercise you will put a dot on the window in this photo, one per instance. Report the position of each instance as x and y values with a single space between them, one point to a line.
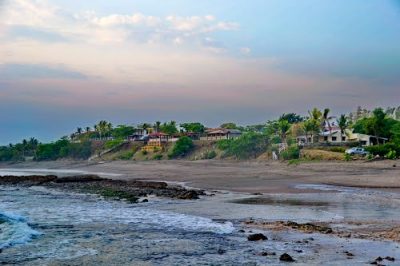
343 138
334 138
325 138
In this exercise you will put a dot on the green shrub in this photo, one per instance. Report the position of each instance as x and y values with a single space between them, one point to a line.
248 145
126 155
182 147
276 140
210 155
383 150
224 144
337 149
144 152
112 143
293 152
157 157
391 155
347 157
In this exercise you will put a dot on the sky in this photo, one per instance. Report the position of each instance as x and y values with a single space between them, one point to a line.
69 63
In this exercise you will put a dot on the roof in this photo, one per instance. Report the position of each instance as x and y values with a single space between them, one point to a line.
355 136
329 133
223 131
158 134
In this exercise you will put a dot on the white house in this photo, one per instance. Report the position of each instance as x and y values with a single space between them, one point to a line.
335 136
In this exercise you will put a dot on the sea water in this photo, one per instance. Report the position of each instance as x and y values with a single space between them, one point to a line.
41 226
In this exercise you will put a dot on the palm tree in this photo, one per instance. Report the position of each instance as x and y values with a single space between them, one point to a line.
325 120
315 118
24 146
283 128
79 130
103 127
88 129
145 127
343 124
308 127
157 126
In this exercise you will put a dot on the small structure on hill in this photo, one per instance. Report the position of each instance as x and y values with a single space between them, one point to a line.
156 141
221 133
138 135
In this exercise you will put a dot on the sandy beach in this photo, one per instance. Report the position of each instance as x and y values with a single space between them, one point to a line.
238 176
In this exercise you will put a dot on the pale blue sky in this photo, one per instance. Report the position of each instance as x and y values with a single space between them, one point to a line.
70 63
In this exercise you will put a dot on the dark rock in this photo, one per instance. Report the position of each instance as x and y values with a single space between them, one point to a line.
390 258
145 200
309 227
27 180
79 178
349 254
148 184
265 253
286 257
221 251
256 237
189 194
241 231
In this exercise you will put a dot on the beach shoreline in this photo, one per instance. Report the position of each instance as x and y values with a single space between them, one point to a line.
241 176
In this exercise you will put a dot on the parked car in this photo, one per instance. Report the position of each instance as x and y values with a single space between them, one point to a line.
357 151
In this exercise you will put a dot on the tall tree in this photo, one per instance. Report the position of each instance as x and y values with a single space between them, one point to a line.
292 118
157 126
326 120
193 127
343 123
283 128
316 120
229 126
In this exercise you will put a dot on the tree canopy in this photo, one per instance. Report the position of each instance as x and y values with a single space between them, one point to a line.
195 127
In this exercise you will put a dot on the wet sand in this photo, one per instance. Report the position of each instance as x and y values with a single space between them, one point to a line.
249 177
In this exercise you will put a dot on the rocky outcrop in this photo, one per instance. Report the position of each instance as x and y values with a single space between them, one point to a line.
309 227
26 180
130 190
79 178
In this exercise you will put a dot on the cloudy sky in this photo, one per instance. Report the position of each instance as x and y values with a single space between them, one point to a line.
69 63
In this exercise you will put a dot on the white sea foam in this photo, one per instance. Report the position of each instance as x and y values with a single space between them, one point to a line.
14 230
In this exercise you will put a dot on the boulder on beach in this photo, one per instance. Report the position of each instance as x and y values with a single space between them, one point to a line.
257 237
286 258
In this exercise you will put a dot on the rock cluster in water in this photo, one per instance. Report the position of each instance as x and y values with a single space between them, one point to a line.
130 190
257 237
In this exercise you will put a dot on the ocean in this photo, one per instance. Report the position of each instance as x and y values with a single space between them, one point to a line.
42 226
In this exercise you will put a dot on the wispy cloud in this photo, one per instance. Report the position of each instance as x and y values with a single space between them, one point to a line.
40 20
33 71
